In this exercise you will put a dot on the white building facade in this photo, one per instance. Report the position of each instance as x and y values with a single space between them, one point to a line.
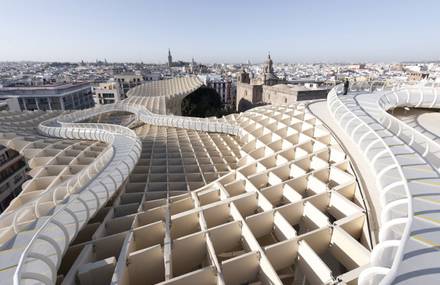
72 96
108 93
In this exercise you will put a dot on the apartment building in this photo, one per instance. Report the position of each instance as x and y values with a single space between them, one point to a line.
129 80
71 96
12 175
108 93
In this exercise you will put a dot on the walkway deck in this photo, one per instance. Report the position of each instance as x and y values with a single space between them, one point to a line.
409 238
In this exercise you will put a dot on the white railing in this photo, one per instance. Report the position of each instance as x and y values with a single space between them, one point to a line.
17 214
146 116
402 94
96 184
72 185
406 94
417 140
373 86
388 253
423 144
51 240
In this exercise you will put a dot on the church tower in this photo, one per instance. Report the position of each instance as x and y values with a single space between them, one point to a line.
268 68
243 77
268 76
170 58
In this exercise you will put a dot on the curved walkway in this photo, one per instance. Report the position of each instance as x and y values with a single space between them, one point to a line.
423 120
429 121
146 116
93 187
406 163
42 256
364 173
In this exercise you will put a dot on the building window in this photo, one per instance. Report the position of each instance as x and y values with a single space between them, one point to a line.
55 103
31 104
285 100
107 95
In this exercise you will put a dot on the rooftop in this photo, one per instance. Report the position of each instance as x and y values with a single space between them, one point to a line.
53 89
342 190
298 88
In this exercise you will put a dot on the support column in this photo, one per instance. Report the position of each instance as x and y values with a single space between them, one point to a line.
24 103
62 103
36 103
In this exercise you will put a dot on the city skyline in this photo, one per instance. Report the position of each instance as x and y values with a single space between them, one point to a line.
224 142
258 62
316 31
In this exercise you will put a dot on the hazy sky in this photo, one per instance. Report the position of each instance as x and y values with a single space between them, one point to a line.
220 31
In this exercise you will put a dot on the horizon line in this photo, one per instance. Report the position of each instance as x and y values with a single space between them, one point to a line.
226 62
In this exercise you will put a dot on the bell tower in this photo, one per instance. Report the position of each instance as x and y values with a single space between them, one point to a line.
268 68
243 77
170 58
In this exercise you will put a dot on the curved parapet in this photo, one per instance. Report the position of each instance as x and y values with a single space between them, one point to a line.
53 162
412 97
289 210
291 198
406 164
394 185
63 210
79 200
145 116
158 103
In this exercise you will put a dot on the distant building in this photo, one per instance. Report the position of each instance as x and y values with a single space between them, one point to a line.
416 75
151 76
12 175
356 66
396 67
108 93
195 68
288 93
248 95
226 88
129 80
170 59
72 96
29 80
267 88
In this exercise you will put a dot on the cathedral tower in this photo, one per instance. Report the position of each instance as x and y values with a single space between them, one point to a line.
170 58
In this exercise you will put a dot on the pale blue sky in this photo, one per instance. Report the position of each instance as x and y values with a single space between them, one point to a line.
220 31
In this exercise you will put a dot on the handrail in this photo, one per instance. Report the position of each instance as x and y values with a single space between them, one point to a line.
70 126
429 143
388 273
51 193
101 132
67 126
146 116
395 89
